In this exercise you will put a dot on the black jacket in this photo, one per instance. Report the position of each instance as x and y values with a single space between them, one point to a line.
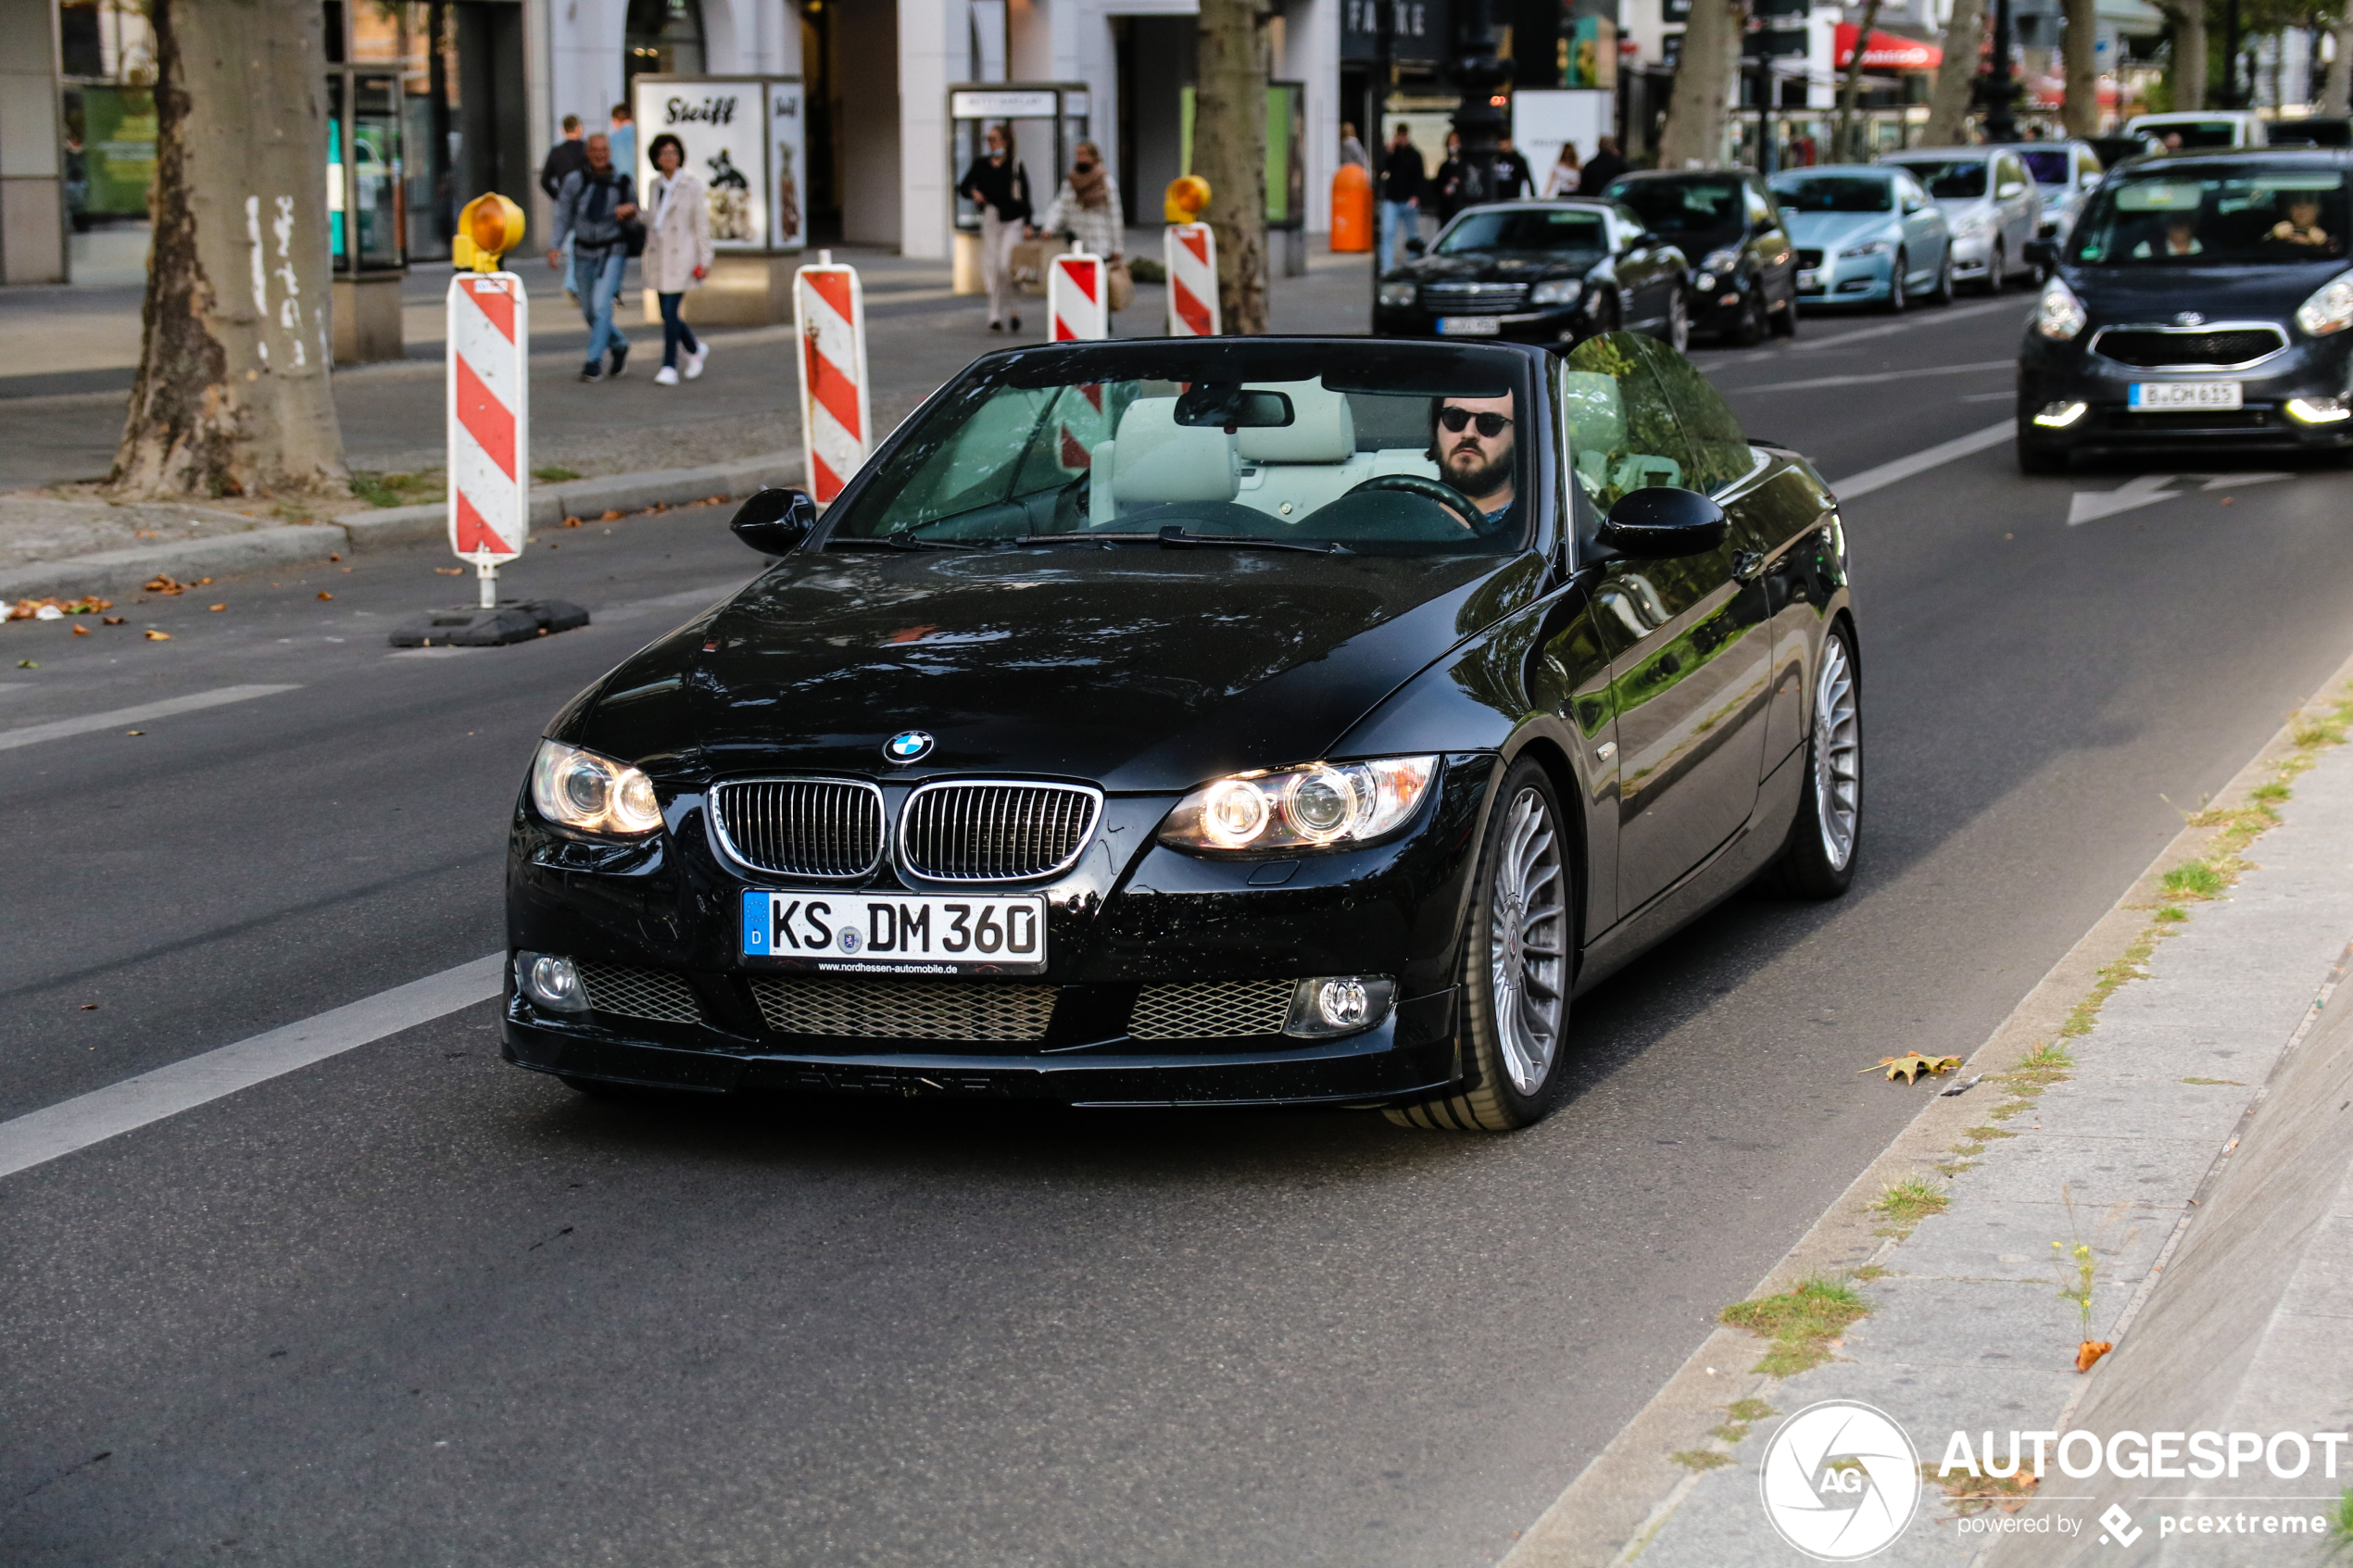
563 159
1401 175
1600 170
1003 187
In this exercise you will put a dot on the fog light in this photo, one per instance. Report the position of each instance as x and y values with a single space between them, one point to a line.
550 983
1339 1004
2318 411
2059 415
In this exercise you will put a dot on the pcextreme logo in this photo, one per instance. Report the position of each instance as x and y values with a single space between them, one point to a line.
1840 1481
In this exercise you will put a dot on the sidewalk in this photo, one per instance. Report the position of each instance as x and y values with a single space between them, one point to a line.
2191 1121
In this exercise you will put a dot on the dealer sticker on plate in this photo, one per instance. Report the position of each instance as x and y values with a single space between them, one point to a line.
928 933
2150 397
1468 326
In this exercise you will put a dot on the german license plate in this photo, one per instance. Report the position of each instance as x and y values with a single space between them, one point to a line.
2150 397
928 933
1809 280
1468 326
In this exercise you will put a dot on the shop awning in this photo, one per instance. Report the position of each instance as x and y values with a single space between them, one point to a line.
1887 51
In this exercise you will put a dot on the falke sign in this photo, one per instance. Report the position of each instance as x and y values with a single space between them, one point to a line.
1418 29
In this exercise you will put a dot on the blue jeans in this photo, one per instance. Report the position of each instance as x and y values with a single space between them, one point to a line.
1399 222
674 330
596 278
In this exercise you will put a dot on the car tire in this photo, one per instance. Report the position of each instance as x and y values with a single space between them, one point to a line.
1679 322
1996 270
1818 861
1945 289
1784 322
1897 295
1514 989
1752 324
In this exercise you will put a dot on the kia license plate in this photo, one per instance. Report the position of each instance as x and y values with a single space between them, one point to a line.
904 933
1468 326
2156 396
1808 280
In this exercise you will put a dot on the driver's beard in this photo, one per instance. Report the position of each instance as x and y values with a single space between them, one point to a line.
1482 480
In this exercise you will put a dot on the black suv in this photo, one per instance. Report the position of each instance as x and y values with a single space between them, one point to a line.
1744 269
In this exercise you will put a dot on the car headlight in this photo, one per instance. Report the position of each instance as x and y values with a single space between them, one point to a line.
588 793
1720 261
1873 247
2330 309
1398 294
2058 315
1319 806
1974 227
1556 291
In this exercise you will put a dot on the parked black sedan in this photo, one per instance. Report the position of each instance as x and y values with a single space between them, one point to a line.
2202 297
1211 721
1744 269
1550 272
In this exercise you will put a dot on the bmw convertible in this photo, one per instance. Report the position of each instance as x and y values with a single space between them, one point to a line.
1238 720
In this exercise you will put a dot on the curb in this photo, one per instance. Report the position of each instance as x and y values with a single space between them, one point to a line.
1619 1502
117 572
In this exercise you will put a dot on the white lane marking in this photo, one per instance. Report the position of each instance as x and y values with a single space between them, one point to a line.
2001 396
58 729
2148 489
40 1135
1934 457
1909 323
1868 378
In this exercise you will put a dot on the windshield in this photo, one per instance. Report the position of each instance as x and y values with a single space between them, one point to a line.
1557 229
2048 165
1682 206
1390 448
2195 132
1836 193
1952 178
2234 214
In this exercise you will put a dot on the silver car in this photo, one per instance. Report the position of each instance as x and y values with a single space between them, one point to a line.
2064 173
1991 203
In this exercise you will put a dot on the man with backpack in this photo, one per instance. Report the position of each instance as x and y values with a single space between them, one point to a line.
597 211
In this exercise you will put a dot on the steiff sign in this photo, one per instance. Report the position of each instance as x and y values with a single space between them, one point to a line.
742 136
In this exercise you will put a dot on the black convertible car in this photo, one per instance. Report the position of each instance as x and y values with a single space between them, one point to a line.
1550 272
2202 297
1214 722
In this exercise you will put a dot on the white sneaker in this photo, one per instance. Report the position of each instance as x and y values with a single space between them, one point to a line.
666 376
695 359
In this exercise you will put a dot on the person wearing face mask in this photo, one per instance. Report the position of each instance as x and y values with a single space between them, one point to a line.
1087 207
999 185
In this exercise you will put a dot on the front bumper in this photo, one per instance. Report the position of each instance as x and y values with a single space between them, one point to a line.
1130 916
2050 373
1551 324
1723 305
1849 280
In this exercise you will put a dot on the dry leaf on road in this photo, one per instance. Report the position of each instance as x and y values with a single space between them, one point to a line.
215 607
156 636
1911 1064
2088 1353
325 595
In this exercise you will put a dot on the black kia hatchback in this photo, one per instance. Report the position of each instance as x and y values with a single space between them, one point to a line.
1213 721
2202 297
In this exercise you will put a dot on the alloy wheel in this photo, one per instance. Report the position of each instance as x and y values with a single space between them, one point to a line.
1898 297
1837 754
1527 946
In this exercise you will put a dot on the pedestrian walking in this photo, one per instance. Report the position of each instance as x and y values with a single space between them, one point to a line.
564 157
678 252
1086 206
623 137
1402 175
1564 181
596 208
1513 180
1449 180
1605 166
999 185
1350 149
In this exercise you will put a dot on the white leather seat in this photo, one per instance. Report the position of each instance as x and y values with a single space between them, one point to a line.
1151 458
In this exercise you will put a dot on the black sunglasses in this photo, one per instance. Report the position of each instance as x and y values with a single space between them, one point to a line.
1489 425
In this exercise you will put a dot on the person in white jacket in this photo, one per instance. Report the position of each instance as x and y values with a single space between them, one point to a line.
677 253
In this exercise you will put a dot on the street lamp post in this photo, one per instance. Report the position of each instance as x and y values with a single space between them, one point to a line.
1479 118
2000 87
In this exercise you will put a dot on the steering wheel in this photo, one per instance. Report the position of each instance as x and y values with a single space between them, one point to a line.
1445 496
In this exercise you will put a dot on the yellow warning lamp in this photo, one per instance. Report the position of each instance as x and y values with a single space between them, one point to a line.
487 229
1188 198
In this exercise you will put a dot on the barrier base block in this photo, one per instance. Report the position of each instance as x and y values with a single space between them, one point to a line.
470 626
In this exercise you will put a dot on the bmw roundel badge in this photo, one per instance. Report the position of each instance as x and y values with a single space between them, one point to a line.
908 746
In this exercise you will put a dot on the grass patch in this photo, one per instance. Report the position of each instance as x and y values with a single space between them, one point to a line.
2194 880
2043 1066
1905 1203
553 475
1744 1414
1700 1459
2112 979
2270 793
396 489
1800 1322
2171 914
1869 1272
2341 1521
1974 1494
2216 1082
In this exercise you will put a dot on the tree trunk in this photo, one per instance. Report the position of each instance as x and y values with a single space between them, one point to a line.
2339 95
1229 151
232 395
2189 53
2079 109
1850 92
1948 101
1704 80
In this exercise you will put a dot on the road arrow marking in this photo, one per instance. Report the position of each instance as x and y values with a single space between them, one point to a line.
2146 489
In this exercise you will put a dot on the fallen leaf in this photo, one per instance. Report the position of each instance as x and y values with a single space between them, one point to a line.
346 570
609 517
28 664
449 571
110 621
82 631
160 583
2088 1353
201 582
332 556
572 522
89 1007
215 607
1911 1064
48 613
135 731
324 595
156 636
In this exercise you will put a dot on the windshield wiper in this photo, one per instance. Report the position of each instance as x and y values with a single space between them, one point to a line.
904 539
1175 537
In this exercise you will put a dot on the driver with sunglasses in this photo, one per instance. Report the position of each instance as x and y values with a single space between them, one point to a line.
1471 440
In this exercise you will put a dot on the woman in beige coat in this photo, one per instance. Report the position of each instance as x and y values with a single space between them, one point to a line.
677 253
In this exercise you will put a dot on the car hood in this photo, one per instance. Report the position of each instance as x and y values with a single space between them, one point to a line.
2236 292
1827 230
1497 267
1142 670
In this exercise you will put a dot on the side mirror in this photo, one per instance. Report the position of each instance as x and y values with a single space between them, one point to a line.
1661 522
1413 245
2043 253
775 521
2010 188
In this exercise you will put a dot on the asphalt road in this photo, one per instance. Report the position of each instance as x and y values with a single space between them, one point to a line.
411 1306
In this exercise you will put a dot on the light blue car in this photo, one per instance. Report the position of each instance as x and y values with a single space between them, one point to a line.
1858 228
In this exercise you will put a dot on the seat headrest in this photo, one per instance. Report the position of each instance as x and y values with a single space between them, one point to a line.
1321 429
1158 459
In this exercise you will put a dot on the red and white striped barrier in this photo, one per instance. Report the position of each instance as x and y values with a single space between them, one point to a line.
1076 310
836 415
1191 250
489 422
